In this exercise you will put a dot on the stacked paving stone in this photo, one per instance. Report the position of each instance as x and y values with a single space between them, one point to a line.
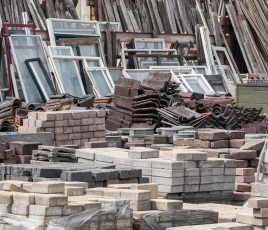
63 205
180 173
69 127
53 154
137 135
95 174
244 177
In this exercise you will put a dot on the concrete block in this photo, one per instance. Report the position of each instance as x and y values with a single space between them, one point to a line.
219 144
39 210
72 209
236 143
159 163
136 195
228 186
242 187
140 206
170 189
23 147
258 203
244 179
206 171
6 198
256 145
195 172
74 191
20 210
23 198
245 171
166 205
142 153
217 171
150 186
48 187
112 193
236 134
230 171
250 219
260 213
5 208
205 188
201 144
191 180
211 134
168 180
190 188
168 173
243 154
51 200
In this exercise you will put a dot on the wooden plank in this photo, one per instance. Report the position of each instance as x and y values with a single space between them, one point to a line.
71 8
126 16
157 17
109 49
109 10
116 13
151 14
100 9
50 10
133 21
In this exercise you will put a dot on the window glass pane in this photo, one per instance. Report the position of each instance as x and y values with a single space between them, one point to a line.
90 50
23 48
149 45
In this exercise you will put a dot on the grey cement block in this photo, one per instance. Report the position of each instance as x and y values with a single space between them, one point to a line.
170 189
168 173
195 172
191 180
168 165
166 205
142 153
168 181
190 188
259 189
39 210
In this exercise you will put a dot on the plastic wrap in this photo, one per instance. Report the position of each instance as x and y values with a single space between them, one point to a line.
83 220
9 221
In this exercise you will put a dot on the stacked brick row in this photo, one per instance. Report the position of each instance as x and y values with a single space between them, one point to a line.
68 127
48 202
94 174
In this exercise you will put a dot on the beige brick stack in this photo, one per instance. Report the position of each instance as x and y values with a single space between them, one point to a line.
50 201
68 127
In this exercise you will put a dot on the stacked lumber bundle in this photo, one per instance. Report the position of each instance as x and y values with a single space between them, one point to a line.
73 127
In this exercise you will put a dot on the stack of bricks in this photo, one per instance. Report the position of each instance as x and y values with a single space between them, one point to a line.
17 152
68 127
143 197
93 173
259 218
136 137
48 202
244 177
53 154
180 173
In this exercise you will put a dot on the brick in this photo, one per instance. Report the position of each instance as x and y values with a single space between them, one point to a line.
23 148
136 195
211 134
140 206
236 143
166 205
62 123
242 187
72 209
219 144
74 191
48 187
93 128
87 122
190 188
62 137
256 145
59 130
191 180
32 115
100 144
142 153
201 144
236 134
244 179
46 116
245 171
258 203
39 210
98 121
20 209
51 200
150 186
243 154
23 198
45 124
74 136
185 142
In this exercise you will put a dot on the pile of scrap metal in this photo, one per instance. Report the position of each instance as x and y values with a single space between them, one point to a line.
156 102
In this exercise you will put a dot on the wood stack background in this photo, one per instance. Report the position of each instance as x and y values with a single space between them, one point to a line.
242 24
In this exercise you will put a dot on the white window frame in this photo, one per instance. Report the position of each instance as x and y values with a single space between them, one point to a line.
150 40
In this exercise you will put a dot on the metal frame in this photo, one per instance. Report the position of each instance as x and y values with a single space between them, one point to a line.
5 34
216 49
144 51
53 33
61 57
25 92
116 24
204 80
149 40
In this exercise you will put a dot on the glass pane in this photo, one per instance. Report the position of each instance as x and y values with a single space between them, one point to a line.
139 76
69 77
23 48
91 50
74 27
149 45
115 74
99 81
115 26
60 51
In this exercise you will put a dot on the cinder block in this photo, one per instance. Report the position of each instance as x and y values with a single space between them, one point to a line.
192 172
150 186
191 180
136 195
40 210
206 171
51 200
166 205
48 187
